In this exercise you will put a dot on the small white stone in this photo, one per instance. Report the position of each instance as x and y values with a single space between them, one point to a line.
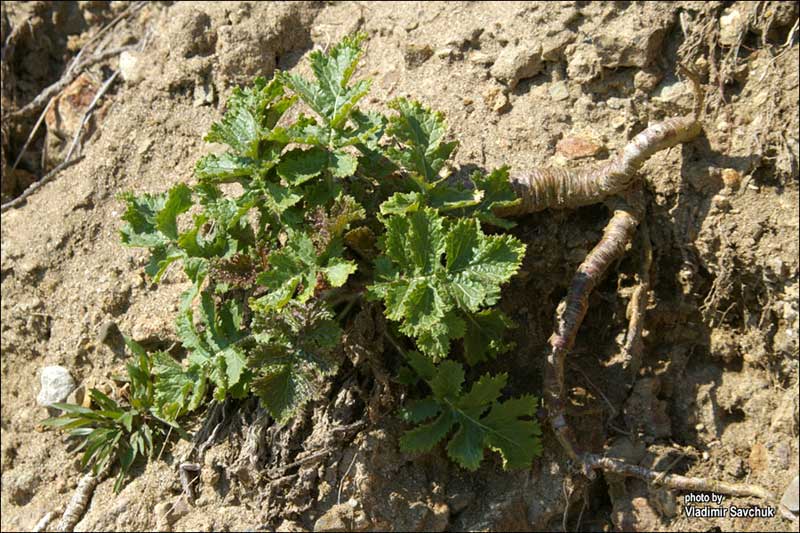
731 25
559 91
128 66
790 497
57 384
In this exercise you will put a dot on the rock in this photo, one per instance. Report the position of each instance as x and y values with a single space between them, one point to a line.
64 116
446 52
578 147
583 63
337 518
416 54
496 99
479 58
731 178
109 334
731 26
646 81
57 384
678 93
129 67
790 496
558 91
635 38
289 526
167 513
553 46
203 93
517 63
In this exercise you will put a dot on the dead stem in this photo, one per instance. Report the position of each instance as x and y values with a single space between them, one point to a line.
674 481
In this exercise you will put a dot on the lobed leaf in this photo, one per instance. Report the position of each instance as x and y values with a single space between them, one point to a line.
428 296
481 421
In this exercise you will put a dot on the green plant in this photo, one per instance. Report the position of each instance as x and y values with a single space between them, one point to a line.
115 433
330 210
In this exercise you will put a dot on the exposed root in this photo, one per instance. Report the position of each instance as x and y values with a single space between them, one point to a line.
559 188
632 349
555 188
674 481
44 521
616 236
77 506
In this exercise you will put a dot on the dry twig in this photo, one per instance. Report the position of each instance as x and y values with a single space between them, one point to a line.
674 481
73 70
67 161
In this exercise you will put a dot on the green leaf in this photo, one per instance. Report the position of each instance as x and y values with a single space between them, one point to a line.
481 420
423 293
298 166
294 264
435 341
418 410
518 441
495 192
401 203
279 199
179 200
445 197
225 168
176 391
295 352
478 264
251 114
423 438
446 383
338 270
297 265
484 335
329 95
342 164
420 133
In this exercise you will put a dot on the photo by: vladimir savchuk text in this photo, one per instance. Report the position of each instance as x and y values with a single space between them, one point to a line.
717 511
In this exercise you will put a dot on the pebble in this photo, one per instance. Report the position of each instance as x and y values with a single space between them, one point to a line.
203 94
496 99
416 54
790 497
558 91
57 384
480 58
731 25
578 147
129 67
517 63
583 64
731 178
646 81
